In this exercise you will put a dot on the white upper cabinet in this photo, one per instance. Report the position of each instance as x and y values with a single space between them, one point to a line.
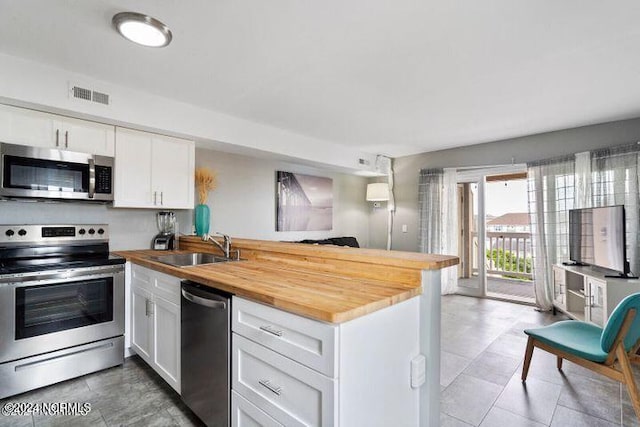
37 129
172 172
87 137
27 127
133 169
153 171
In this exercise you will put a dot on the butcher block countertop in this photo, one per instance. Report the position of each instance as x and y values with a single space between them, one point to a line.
328 283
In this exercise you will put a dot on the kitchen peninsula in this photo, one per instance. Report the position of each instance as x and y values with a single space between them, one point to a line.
377 312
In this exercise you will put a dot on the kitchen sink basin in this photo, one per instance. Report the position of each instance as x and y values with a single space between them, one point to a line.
190 259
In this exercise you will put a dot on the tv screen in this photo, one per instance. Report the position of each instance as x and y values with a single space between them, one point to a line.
597 237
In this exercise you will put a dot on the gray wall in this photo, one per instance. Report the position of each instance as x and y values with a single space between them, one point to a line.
518 150
244 204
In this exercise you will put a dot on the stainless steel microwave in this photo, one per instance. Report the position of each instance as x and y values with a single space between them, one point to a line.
45 173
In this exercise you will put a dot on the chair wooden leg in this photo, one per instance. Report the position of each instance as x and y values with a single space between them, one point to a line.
628 378
559 363
527 359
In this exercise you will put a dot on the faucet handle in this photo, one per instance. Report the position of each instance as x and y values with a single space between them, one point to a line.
226 237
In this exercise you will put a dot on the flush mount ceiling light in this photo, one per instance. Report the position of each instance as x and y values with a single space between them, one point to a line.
142 29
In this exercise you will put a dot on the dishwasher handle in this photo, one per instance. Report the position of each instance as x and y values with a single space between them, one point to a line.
203 301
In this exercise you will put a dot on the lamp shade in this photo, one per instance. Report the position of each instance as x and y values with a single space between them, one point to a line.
378 192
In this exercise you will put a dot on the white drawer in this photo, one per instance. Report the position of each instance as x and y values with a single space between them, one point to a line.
142 277
166 286
291 393
246 414
312 343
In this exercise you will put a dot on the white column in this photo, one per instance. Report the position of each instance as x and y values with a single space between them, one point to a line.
430 347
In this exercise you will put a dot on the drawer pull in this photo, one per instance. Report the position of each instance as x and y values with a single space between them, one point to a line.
272 388
272 331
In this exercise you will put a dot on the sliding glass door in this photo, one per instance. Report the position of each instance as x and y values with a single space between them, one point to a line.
471 246
494 243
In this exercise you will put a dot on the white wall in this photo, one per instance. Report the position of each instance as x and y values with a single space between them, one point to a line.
244 204
128 228
39 86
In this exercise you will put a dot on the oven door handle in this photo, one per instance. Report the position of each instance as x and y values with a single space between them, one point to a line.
92 178
203 301
46 278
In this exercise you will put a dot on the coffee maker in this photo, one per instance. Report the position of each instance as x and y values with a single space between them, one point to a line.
166 238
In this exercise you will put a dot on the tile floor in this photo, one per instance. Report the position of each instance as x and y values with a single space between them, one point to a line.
131 395
482 351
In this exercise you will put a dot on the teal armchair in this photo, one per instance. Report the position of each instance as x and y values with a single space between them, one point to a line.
608 351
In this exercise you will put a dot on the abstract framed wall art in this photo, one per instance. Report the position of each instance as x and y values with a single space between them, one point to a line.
305 202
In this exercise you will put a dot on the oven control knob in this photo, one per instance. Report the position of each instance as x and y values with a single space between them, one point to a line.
22 232
100 231
92 231
82 231
9 233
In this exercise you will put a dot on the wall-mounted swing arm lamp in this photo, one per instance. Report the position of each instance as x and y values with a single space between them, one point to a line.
377 192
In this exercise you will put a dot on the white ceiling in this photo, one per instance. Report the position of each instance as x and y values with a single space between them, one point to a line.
392 77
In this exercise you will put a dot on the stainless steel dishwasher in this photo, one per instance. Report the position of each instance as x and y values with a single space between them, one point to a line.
205 352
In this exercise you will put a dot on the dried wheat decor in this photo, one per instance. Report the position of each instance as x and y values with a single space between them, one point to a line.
205 182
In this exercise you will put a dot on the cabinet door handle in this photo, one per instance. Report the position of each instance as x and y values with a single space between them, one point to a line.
148 308
155 197
272 388
66 139
162 198
271 330
57 137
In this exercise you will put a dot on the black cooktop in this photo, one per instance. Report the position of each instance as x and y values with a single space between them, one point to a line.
36 248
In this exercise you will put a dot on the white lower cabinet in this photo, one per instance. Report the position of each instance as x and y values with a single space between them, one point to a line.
246 414
288 391
155 321
166 330
141 322
294 371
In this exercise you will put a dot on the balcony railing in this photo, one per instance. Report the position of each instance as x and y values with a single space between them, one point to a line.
507 254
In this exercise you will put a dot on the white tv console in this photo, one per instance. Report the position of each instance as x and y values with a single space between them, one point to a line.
584 293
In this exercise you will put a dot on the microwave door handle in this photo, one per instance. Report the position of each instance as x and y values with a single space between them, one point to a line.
92 178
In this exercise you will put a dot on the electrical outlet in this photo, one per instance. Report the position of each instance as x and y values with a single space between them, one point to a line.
418 371
405 228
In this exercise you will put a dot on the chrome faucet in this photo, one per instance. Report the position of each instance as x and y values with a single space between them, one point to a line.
225 247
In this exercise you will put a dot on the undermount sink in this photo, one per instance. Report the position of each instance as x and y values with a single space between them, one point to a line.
190 259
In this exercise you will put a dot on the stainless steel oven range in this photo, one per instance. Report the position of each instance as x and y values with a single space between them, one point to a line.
61 304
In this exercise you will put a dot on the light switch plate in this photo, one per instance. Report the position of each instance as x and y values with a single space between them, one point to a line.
418 371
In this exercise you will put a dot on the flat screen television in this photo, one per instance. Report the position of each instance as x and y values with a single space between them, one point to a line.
597 237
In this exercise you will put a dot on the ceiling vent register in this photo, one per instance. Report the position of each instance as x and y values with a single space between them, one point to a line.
85 94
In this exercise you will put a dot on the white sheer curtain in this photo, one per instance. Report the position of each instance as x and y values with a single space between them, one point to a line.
450 230
551 194
438 210
615 182
429 209
583 180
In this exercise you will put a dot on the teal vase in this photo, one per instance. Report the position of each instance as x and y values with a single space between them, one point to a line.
203 218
